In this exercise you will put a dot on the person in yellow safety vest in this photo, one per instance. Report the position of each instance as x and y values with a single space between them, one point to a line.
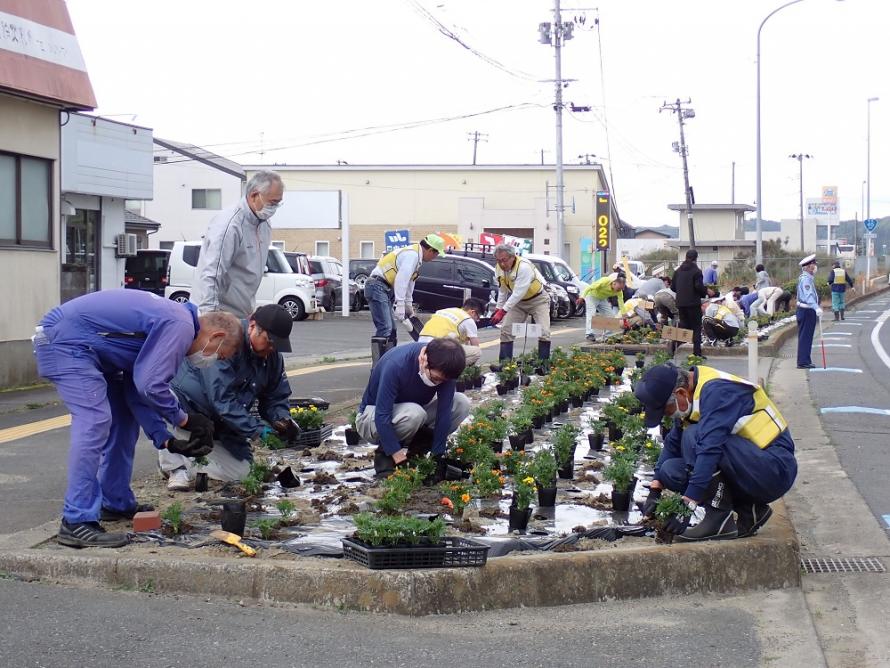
729 450
718 322
839 279
390 288
457 323
635 313
596 298
520 294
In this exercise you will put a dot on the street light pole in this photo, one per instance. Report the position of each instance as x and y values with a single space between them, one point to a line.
800 157
868 190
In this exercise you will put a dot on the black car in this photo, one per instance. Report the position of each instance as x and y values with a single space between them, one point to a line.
147 270
360 269
448 280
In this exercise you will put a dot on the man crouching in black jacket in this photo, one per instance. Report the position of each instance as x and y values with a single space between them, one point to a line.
690 288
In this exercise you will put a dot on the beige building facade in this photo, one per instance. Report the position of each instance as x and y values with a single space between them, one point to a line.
518 200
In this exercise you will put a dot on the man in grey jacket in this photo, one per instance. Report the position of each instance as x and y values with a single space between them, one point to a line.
233 254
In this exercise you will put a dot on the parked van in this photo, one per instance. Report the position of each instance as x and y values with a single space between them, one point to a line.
147 270
280 285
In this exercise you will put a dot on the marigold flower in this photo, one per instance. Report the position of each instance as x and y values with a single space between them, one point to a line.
619 448
459 451
465 497
528 480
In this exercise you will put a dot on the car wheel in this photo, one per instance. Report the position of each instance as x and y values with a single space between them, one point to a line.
295 307
180 297
360 280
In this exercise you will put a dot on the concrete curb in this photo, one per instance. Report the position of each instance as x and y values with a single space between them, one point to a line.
767 561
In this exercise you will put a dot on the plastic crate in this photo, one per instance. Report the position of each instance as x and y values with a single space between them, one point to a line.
313 438
455 553
318 402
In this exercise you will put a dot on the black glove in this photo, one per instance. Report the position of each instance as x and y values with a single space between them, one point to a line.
287 429
650 502
200 426
192 448
676 525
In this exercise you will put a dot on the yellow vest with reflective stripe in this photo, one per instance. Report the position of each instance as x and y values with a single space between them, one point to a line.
761 427
506 280
722 312
840 276
387 263
446 323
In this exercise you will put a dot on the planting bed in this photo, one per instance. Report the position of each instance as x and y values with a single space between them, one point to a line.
337 482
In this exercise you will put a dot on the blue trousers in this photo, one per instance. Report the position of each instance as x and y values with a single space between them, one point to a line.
806 326
103 430
753 475
379 297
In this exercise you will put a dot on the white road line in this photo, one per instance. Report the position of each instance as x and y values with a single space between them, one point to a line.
875 341
833 345
833 333
856 409
851 324
837 368
864 311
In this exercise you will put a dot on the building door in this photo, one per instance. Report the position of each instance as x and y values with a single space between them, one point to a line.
80 262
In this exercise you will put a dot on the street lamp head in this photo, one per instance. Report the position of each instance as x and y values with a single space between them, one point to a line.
873 99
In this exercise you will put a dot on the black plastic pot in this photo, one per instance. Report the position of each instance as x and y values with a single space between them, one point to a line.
513 383
352 437
525 380
595 441
460 386
287 479
517 441
567 471
563 405
640 363
497 446
576 402
200 482
621 500
546 497
528 436
619 370
502 389
614 432
234 517
519 519
478 382
548 416
538 421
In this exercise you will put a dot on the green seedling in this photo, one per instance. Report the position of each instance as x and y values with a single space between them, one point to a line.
286 508
173 515
266 528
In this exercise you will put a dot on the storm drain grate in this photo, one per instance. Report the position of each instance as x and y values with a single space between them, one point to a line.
841 565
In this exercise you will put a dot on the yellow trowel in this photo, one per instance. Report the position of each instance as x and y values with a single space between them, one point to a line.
233 539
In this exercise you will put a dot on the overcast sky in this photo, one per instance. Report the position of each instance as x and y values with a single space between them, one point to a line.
223 73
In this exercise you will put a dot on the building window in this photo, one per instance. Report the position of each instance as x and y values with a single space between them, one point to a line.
821 232
322 248
25 196
366 250
207 199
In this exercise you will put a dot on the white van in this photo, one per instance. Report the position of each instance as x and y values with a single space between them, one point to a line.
280 285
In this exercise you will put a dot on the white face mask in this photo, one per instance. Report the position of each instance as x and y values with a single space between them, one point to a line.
201 361
426 379
681 414
267 212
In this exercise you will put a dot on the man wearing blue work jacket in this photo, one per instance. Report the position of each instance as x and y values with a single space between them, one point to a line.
729 450
808 312
111 356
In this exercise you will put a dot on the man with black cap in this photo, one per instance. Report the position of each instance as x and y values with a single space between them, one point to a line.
730 450
226 391
808 312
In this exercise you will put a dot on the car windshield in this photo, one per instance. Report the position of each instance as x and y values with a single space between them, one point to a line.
277 263
563 272
315 266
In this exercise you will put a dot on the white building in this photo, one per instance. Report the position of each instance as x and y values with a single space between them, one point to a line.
191 185
104 163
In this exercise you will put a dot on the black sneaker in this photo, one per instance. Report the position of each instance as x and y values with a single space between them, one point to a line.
752 517
109 515
806 366
89 534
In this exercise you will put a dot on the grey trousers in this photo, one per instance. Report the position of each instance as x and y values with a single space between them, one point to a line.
408 418
537 307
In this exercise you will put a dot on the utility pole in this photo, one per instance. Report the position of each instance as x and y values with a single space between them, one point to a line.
586 157
732 194
555 34
683 114
800 158
476 137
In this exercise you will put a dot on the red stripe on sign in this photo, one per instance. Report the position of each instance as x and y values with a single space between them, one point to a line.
37 78
52 13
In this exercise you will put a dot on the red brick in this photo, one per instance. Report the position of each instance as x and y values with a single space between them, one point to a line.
147 521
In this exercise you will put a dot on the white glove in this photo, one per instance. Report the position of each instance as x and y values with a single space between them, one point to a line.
399 310
818 312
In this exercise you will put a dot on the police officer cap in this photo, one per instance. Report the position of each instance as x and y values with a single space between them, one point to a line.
809 259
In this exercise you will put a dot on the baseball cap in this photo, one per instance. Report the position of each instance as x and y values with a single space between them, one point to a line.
278 324
435 242
654 390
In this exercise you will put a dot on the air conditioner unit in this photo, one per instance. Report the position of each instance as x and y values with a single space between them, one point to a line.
126 245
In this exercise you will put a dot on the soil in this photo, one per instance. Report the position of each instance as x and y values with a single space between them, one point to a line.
600 502
425 500
324 454
324 478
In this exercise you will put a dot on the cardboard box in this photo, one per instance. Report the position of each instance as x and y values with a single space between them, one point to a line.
605 322
676 334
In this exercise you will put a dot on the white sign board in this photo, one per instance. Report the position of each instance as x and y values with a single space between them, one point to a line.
521 329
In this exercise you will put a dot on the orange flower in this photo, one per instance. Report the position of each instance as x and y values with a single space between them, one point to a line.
459 451
447 502
465 497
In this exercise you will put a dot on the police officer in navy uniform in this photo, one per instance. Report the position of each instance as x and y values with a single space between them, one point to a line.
808 312
729 451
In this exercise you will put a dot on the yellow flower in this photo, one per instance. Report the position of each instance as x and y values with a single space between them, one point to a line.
619 448
313 408
528 480
465 497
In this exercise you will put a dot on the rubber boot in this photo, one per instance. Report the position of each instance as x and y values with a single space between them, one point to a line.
752 516
384 465
421 443
842 313
837 316
379 345
544 356
506 353
718 522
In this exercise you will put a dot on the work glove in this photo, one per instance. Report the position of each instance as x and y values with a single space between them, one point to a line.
199 426
818 312
287 428
651 501
676 525
498 316
192 448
